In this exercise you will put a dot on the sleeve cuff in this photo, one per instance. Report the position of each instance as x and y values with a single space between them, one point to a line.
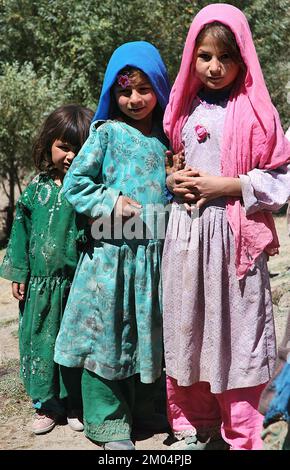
251 203
14 274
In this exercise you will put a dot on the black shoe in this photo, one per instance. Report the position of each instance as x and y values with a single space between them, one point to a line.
157 423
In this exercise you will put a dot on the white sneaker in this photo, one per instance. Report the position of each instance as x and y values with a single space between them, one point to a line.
74 421
125 444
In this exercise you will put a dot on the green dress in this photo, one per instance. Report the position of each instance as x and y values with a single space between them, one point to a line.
43 254
112 324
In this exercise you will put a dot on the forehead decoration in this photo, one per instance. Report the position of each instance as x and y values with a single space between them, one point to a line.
124 81
140 55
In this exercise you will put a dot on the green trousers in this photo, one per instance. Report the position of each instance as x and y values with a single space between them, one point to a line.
110 407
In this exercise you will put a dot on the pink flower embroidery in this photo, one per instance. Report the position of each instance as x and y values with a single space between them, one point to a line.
201 133
123 81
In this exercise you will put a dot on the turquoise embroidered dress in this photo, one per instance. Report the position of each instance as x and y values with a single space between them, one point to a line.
43 254
112 324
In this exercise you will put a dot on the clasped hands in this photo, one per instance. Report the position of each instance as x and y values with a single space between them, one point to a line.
192 187
182 181
195 188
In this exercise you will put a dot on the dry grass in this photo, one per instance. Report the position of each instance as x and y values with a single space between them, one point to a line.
5 323
14 400
277 294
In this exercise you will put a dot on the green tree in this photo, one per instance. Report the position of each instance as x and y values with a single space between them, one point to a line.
77 38
270 22
25 99
68 44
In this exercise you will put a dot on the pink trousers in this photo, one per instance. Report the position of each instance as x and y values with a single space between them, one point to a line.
234 413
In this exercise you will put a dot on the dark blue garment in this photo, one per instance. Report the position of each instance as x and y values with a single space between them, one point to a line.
280 405
169 196
144 56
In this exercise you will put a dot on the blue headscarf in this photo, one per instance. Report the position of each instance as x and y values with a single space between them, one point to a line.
144 56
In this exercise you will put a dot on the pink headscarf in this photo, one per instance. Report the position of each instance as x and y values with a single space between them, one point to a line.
253 136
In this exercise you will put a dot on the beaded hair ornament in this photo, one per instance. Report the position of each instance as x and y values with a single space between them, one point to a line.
124 81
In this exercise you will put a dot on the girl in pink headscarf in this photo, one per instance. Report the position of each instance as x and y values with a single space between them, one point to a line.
218 320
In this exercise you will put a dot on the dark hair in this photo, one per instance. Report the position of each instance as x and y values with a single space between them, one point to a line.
225 38
69 123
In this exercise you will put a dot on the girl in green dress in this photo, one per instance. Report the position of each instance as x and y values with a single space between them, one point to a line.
40 261
112 325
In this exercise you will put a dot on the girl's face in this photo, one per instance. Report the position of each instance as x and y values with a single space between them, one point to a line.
213 65
138 100
62 154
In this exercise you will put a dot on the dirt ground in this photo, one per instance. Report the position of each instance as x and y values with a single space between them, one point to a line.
15 411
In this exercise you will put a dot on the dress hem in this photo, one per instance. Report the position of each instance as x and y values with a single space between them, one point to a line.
259 379
101 370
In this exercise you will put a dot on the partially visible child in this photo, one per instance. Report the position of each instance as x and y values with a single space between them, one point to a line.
40 261
275 400
218 320
112 325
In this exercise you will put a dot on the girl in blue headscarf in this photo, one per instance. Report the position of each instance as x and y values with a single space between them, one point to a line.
112 324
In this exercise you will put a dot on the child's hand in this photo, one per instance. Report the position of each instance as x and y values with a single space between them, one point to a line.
203 188
174 180
174 162
18 290
127 207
